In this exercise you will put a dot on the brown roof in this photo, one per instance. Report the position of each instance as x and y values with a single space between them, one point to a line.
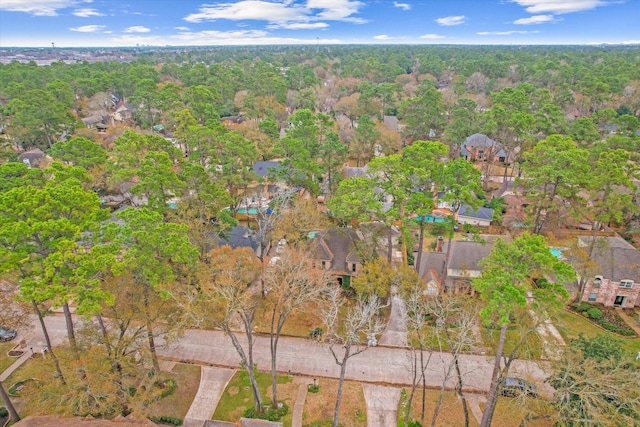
336 245
617 258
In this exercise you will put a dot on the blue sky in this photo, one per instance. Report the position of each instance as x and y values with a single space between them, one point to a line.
76 23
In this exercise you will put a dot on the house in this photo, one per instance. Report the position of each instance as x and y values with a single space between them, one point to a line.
479 147
96 121
462 265
391 122
232 122
338 250
481 217
241 237
355 172
265 168
616 282
32 158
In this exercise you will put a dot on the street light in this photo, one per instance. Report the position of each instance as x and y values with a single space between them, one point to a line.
31 348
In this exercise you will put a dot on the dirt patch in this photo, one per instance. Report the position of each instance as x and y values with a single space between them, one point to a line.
233 390
319 407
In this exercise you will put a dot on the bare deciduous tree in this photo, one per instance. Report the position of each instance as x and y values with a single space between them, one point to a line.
291 284
348 332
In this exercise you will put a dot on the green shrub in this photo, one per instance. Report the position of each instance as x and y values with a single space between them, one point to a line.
594 313
582 307
316 333
269 414
168 387
3 412
313 388
172 421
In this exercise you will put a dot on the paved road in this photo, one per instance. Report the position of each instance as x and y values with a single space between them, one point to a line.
379 365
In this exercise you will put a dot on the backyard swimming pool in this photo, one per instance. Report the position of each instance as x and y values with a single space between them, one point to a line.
431 218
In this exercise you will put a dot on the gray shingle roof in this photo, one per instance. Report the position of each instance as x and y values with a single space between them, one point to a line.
617 259
480 213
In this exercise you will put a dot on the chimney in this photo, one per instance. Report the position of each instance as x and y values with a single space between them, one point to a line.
439 244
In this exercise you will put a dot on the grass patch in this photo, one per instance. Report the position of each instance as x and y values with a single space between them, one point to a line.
530 349
177 404
451 413
510 412
238 396
319 407
299 324
571 325
6 361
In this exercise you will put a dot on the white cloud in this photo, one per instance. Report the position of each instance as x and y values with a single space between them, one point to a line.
382 37
403 6
89 28
37 7
536 19
559 6
504 33
181 28
298 26
431 36
87 12
448 21
631 41
137 29
214 38
280 13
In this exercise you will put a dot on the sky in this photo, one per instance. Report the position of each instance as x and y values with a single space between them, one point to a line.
116 23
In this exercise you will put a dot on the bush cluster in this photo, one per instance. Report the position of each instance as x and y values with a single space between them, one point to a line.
3 412
608 319
171 386
172 421
269 414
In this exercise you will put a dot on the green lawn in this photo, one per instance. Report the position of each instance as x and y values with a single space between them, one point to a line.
178 404
6 361
238 396
570 325
531 349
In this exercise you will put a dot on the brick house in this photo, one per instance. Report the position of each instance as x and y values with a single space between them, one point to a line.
462 265
337 250
617 279
479 147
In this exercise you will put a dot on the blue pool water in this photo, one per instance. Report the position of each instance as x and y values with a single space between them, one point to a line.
250 211
557 252
431 218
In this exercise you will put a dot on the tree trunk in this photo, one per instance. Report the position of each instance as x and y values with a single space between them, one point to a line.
274 378
343 371
492 398
248 365
47 340
424 386
70 332
149 328
116 367
389 247
7 403
465 408
420 244
414 385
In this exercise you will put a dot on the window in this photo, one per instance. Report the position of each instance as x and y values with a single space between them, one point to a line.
593 296
324 265
353 267
432 290
597 282
626 284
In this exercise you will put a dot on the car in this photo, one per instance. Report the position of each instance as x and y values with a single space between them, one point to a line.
7 334
514 387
